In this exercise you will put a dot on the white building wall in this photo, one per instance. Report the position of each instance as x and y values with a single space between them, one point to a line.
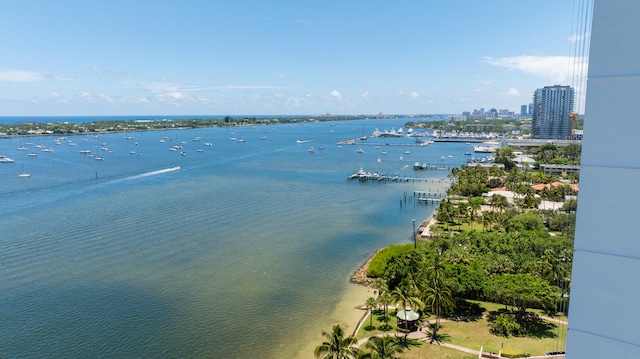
604 309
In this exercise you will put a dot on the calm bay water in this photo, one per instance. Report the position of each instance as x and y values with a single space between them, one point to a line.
244 251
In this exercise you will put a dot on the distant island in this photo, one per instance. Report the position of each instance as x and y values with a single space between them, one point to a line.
35 128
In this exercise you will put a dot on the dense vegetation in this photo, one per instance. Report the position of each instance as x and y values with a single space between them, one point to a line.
64 128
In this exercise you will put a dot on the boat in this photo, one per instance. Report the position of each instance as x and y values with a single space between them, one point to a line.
383 152
379 160
360 150
85 152
208 144
419 166
199 150
407 152
22 148
485 149
7 160
242 141
24 175
32 154
312 150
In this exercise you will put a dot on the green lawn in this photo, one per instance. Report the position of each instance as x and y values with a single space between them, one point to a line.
475 334
427 350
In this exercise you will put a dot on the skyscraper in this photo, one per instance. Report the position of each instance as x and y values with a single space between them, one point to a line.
551 108
604 314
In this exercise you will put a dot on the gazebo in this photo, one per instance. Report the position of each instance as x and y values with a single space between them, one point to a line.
407 319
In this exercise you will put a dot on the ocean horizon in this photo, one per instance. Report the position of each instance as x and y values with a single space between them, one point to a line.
239 242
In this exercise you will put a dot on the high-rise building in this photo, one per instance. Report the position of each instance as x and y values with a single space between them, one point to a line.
604 314
551 108
523 111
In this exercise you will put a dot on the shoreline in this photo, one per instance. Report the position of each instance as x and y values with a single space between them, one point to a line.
359 277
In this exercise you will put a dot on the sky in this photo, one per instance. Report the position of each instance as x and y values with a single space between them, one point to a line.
281 57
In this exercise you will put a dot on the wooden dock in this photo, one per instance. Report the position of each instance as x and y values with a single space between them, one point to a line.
363 176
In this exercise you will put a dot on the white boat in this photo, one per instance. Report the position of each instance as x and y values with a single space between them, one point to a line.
407 152
22 148
208 144
32 154
7 160
24 175
383 152
360 150
312 150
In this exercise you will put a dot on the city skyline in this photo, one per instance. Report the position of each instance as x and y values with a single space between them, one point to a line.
126 58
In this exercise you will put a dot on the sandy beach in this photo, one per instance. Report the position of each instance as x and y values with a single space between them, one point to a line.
348 313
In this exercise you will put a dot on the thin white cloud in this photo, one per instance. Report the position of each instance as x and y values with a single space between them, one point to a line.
106 98
364 93
579 37
513 92
57 97
555 68
411 95
20 76
248 87
336 94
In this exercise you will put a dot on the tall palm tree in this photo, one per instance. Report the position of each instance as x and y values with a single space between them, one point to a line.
437 292
385 299
336 346
407 296
371 303
380 286
386 347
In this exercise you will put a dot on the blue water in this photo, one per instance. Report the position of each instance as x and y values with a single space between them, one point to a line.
240 252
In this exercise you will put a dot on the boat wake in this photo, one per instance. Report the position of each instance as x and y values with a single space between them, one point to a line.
303 141
153 173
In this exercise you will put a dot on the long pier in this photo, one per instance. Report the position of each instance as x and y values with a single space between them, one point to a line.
363 176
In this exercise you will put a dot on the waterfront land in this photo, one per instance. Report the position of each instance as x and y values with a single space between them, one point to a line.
533 229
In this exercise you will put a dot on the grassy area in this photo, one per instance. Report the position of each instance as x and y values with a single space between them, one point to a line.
427 350
474 334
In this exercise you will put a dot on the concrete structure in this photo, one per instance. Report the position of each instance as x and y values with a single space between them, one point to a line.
551 108
559 169
604 315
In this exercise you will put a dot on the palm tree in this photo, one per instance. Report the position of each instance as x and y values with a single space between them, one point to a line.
407 296
382 348
336 346
437 292
371 303
385 299
380 286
